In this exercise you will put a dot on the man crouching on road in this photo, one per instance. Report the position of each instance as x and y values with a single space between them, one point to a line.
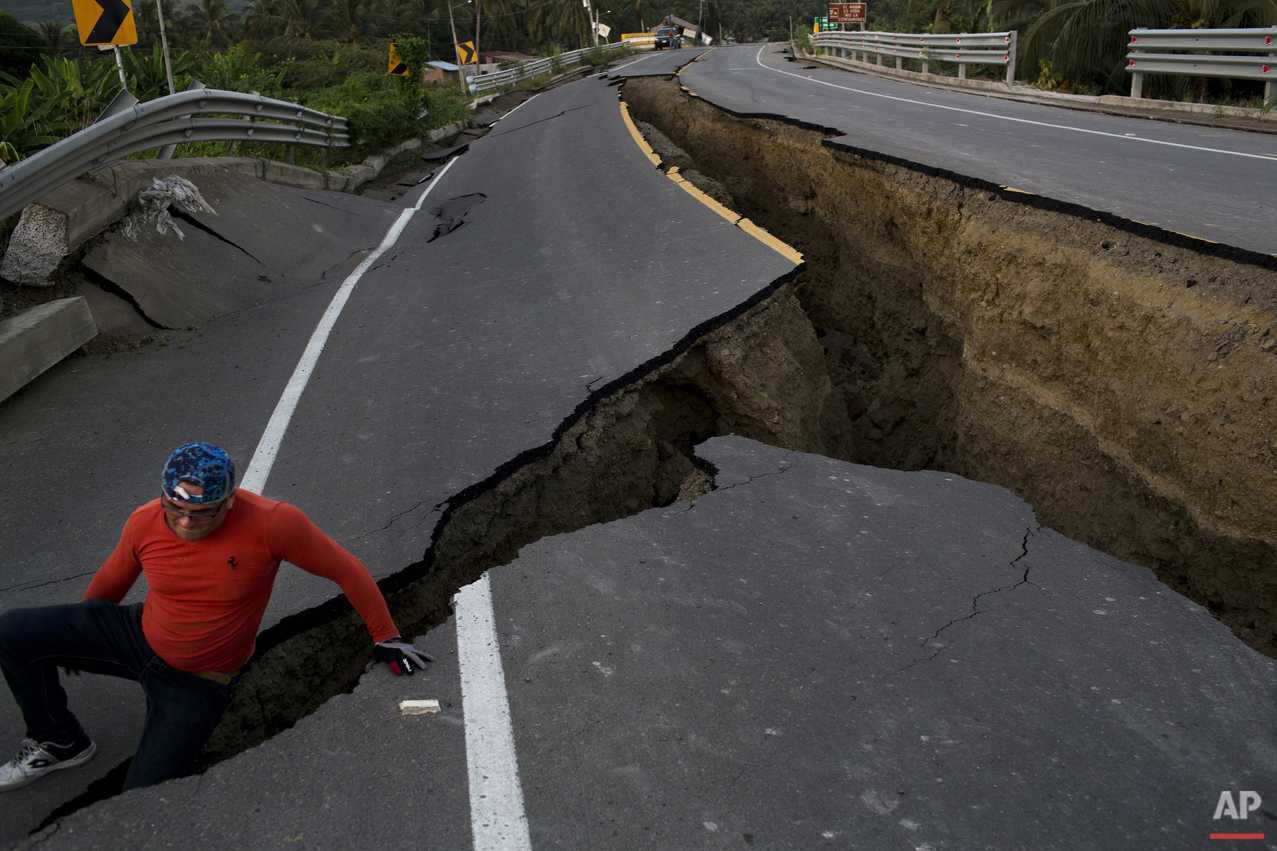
210 555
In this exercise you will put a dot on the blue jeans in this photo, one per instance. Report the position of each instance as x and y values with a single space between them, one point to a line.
101 637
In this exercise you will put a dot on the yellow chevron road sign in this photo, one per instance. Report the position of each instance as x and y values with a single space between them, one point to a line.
397 66
105 22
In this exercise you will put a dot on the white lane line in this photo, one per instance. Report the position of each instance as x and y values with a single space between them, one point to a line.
497 818
1127 138
635 62
268 447
517 108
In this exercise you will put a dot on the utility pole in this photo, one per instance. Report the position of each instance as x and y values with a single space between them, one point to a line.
456 49
168 66
700 21
478 13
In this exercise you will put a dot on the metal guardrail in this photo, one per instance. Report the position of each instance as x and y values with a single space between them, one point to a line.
1146 54
163 121
531 68
961 48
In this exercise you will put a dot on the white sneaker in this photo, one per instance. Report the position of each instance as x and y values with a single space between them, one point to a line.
36 760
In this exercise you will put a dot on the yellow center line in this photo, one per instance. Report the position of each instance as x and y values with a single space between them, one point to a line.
780 247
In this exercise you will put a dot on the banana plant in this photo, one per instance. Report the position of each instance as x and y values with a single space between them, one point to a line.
23 129
85 89
147 76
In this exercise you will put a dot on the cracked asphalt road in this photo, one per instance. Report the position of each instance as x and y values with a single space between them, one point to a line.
740 671
451 358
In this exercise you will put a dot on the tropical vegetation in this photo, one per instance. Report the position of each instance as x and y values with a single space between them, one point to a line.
332 54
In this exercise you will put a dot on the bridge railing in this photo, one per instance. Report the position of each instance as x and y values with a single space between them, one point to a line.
1240 54
532 68
963 49
183 117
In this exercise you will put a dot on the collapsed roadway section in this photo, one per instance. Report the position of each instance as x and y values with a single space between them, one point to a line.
813 653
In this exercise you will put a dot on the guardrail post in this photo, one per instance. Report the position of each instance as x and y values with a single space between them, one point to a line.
899 66
962 70
1268 84
1137 78
1011 45
925 68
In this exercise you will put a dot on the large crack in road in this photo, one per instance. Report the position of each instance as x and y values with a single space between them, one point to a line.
1119 378
934 327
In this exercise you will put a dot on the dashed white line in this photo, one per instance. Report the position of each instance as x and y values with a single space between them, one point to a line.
1127 137
268 447
498 821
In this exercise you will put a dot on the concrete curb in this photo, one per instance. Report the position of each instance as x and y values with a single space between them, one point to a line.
54 227
1112 104
63 220
36 339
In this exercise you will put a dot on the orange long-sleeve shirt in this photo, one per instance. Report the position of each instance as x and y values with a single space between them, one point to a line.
207 597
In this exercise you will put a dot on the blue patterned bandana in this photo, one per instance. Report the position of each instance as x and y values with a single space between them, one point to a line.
200 464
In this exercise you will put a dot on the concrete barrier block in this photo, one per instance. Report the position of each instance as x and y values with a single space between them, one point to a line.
70 215
337 181
36 246
358 174
445 131
291 175
36 339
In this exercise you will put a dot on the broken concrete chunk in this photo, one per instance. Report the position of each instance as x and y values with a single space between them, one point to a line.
36 339
418 707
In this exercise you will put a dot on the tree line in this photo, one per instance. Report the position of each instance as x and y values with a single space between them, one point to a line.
1076 45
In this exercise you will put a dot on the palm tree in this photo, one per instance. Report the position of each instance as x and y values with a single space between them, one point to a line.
304 18
53 32
213 20
349 19
264 19
1088 38
146 16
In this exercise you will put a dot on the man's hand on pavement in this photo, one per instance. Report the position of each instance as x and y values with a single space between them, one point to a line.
402 657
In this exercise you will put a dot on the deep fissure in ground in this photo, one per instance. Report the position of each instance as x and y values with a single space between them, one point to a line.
759 373
1119 379
1119 385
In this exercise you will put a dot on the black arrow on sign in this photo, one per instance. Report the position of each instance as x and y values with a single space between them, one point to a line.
401 69
114 13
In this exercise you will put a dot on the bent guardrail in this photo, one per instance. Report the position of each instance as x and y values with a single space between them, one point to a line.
962 49
531 68
168 120
1250 54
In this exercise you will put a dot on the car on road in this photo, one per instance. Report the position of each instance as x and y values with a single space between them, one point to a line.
668 37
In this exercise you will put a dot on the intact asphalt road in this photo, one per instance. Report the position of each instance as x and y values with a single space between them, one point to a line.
814 655
1211 183
658 63
571 262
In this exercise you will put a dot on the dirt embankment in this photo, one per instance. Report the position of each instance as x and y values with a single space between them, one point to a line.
1123 386
762 375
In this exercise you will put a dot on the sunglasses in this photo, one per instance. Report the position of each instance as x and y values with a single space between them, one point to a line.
173 510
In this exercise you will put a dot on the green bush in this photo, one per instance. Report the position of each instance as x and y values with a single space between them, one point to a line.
379 113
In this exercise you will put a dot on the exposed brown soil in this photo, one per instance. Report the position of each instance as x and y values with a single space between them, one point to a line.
761 375
1123 386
